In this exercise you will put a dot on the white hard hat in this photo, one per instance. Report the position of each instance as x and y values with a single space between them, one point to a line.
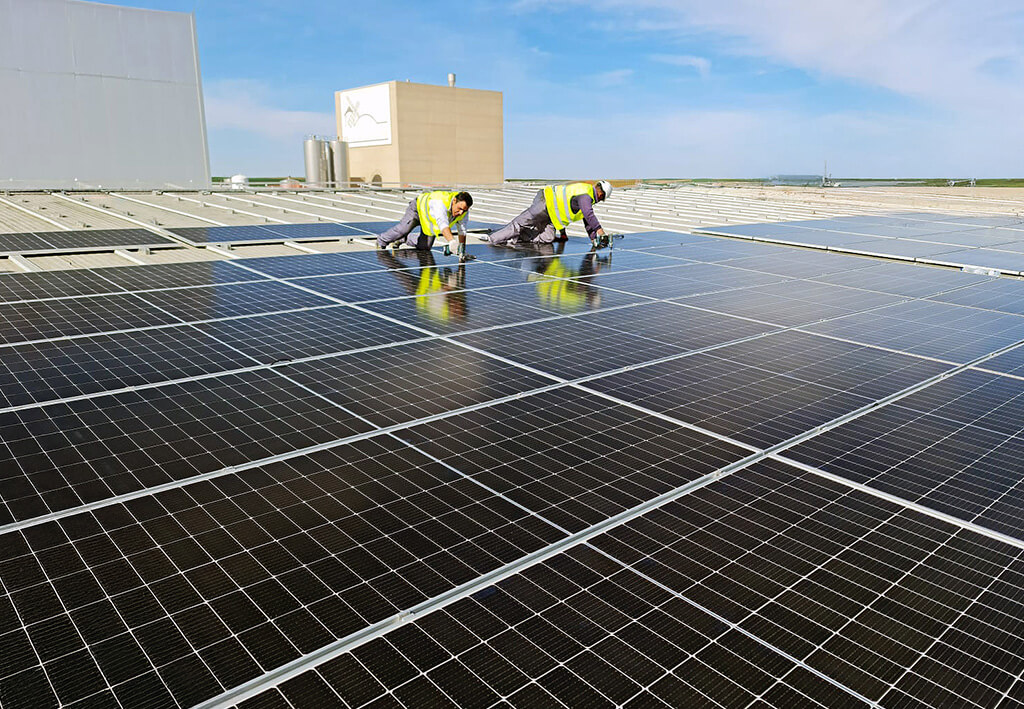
606 187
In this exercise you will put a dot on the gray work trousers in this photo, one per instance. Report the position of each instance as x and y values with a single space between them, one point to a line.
532 226
403 230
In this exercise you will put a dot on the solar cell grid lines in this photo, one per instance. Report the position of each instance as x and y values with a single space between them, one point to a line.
692 471
61 456
59 284
579 630
227 579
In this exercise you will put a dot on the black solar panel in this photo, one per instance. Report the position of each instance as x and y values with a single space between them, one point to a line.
570 456
690 471
930 238
57 369
232 300
408 382
732 391
305 333
176 275
580 631
55 284
949 332
393 283
304 265
80 240
46 319
268 232
64 455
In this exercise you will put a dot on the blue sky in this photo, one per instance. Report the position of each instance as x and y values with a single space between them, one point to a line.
639 88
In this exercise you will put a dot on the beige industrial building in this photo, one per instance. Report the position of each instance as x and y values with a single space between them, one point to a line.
401 133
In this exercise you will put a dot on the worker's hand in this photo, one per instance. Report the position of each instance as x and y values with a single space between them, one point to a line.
450 249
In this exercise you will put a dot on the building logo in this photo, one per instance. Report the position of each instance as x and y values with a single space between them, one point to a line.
365 116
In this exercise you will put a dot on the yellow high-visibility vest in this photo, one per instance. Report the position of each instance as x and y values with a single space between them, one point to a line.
559 202
427 224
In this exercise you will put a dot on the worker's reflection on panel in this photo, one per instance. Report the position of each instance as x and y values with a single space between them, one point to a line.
552 276
441 290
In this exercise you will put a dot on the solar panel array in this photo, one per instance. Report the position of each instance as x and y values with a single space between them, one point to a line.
690 472
990 242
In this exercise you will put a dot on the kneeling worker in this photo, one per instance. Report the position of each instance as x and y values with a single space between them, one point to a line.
554 208
434 213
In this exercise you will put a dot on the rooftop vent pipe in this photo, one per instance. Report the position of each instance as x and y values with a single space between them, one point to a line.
451 79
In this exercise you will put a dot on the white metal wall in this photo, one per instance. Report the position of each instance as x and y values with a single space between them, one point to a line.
95 95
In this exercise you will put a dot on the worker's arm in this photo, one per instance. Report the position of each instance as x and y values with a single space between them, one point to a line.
586 205
448 236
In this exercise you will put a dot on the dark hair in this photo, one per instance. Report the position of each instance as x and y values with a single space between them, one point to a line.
464 197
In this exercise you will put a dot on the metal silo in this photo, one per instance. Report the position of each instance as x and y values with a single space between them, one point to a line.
317 162
339 162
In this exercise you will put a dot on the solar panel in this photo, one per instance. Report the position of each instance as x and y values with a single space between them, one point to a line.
62 368
175 275
306 265
690 471
455 311
61 456
953 446
930 238
570 456
272 232
231 300
305 333
730 391
56 284
412 381
898 279
580 631
677 281
931 329
83 240
47 319
361 287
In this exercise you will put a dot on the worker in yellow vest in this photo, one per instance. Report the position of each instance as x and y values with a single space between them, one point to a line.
435 213
554 208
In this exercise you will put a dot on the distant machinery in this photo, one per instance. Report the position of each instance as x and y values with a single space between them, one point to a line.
826 179
970 183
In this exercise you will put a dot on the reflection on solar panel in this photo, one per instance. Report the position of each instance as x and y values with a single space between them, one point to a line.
945 239
689 472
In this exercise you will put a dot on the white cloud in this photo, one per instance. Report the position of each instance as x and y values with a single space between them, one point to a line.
247 106
942 52
701 64
250 132
608 79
